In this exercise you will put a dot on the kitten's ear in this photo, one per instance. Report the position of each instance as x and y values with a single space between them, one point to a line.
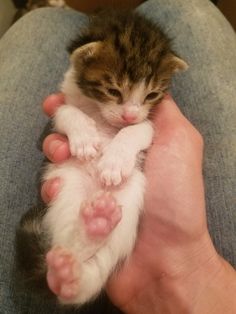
171 64
178 64
85 52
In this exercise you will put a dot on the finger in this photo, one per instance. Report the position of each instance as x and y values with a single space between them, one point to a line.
52 102
50 189
56 148
169 121
176 143
167 111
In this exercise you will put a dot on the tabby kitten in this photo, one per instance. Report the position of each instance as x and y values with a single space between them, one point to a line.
121 66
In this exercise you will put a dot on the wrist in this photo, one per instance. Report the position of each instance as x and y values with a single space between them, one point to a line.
204 283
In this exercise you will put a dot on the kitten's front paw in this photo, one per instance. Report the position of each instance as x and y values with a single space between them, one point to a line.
115 168
85 145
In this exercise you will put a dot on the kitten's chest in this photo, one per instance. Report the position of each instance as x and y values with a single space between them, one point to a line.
106 134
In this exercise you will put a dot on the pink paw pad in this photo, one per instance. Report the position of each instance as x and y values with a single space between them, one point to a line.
101 215
60 276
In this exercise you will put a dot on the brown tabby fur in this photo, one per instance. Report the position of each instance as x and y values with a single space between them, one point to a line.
130 49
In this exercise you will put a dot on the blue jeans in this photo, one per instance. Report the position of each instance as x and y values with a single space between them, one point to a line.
33 59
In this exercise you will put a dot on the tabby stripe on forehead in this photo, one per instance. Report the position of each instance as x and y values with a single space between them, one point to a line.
95 93
92 83
120 47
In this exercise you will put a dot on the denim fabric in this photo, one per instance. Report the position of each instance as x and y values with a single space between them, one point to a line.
206 94
33 59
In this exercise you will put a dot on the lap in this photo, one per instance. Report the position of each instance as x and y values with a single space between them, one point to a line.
33 60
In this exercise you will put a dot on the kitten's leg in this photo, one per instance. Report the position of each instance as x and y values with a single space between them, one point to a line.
117 162
64 269
79 230
80 129
130 196
93 272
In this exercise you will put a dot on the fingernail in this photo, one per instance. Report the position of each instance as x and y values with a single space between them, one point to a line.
53 146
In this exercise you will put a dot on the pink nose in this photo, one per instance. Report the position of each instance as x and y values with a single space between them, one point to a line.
129 117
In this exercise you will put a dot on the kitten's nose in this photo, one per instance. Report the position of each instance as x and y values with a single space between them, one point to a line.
129 117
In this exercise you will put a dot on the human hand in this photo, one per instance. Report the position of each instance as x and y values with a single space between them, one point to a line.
174 267
174 264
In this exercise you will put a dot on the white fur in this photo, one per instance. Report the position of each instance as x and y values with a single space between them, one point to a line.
102 155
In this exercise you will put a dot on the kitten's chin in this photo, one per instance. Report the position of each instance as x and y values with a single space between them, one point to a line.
115 124
121 123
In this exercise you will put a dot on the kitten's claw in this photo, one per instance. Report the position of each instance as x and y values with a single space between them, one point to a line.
61 277
101 215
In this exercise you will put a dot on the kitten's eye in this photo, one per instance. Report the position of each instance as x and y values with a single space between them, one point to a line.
151 96
114 92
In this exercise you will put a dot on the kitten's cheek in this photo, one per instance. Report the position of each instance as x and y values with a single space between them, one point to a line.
50 189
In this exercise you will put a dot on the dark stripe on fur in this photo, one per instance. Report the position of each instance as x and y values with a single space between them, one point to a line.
31 248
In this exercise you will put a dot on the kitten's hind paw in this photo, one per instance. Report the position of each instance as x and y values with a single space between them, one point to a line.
101 215
61 275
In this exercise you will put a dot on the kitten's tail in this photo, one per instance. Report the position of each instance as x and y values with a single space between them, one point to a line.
31 247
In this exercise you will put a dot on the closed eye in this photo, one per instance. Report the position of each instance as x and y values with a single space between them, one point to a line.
152 96
114 92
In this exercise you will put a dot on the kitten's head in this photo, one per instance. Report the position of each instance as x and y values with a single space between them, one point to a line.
126 70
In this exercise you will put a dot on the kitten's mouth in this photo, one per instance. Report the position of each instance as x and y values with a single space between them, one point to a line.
126 123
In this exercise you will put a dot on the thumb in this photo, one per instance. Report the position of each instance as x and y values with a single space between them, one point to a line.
173 131
167 117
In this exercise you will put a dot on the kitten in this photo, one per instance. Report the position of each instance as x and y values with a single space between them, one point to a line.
121 66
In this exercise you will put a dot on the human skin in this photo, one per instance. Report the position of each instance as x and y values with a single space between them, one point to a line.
174 267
